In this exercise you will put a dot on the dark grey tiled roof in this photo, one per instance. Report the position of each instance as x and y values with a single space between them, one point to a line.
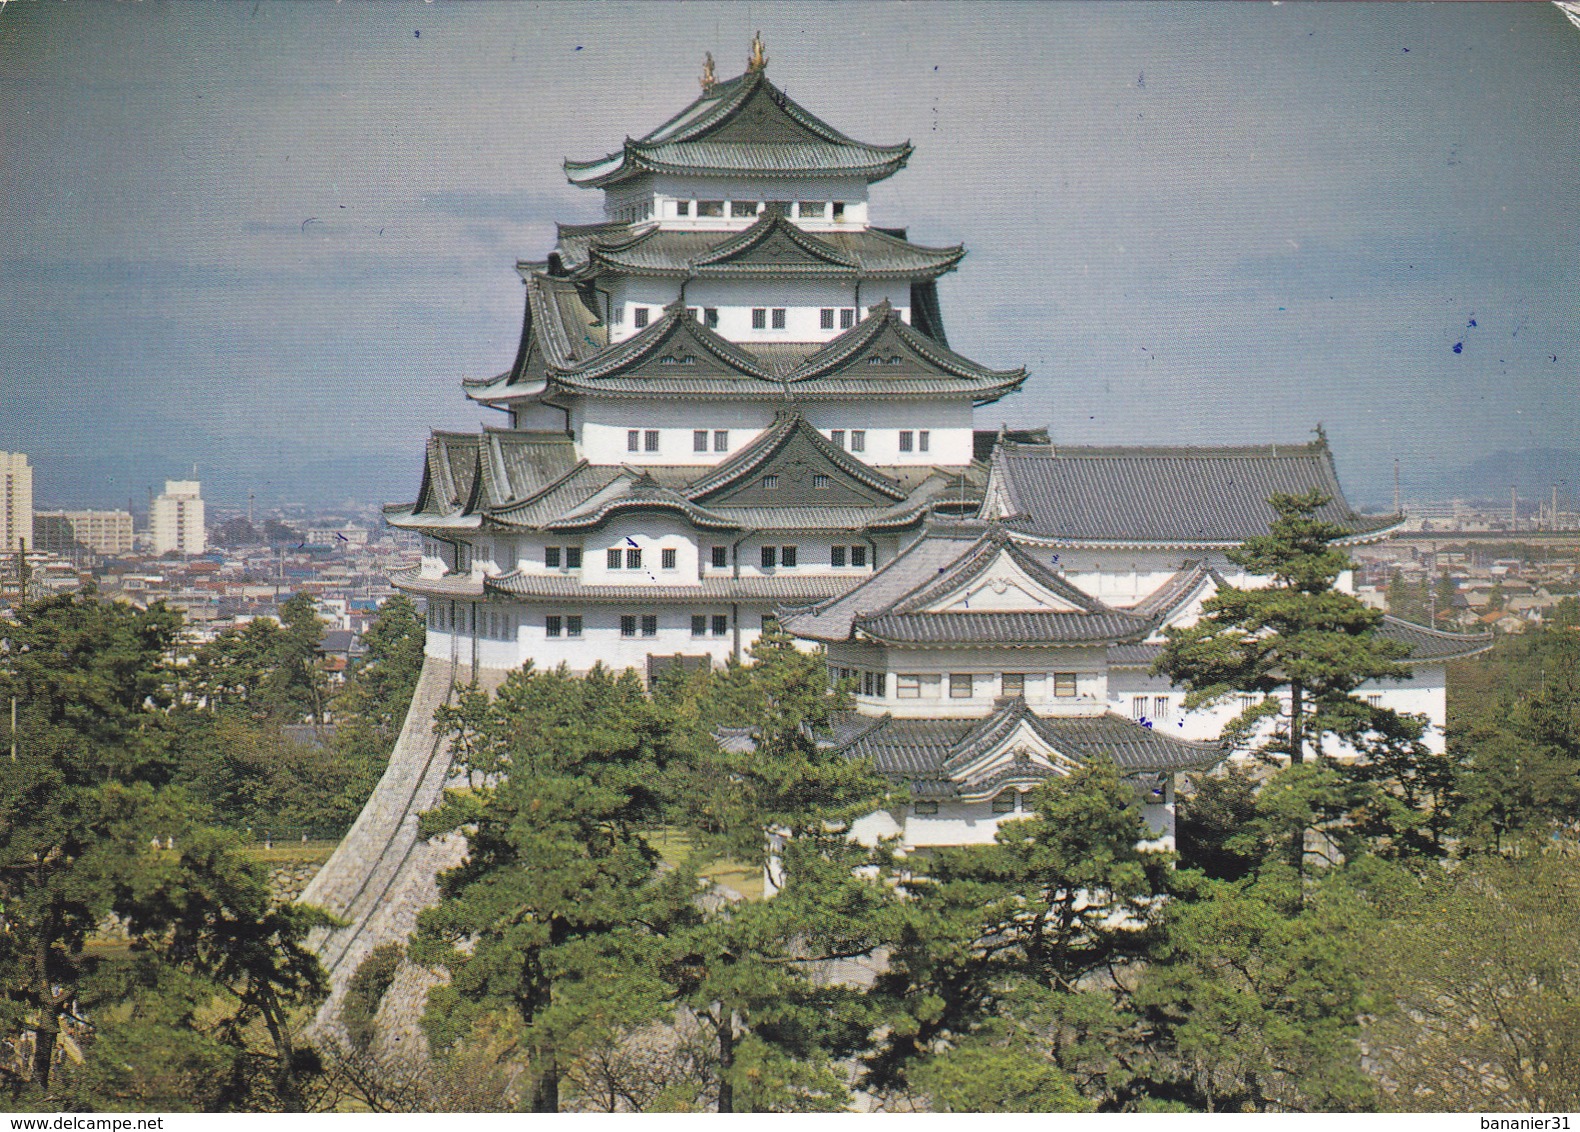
743 126
563 345
451 585
1133 655
634 491
890 606
772 246
1003 628
1432 645
919 564
787 426
931 753
1181 496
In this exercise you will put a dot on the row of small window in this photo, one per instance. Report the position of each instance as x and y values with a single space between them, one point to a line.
1161 707
630 558
911 440
763 318
1006 802
866 683
452 617
737 209
962 685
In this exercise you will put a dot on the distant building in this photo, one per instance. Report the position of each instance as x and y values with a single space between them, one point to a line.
101 532
16 501
176 519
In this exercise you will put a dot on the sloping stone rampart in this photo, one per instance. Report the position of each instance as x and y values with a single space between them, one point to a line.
384 873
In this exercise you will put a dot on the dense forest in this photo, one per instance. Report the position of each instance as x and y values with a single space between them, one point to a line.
1392 934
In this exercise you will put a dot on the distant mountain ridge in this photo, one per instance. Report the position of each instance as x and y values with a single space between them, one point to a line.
1532 472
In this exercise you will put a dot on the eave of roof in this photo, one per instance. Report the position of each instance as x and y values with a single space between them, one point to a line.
787 425
681 143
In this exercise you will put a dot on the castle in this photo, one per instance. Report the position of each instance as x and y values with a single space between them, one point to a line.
734 401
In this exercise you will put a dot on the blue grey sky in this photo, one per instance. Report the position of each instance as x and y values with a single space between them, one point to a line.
269 238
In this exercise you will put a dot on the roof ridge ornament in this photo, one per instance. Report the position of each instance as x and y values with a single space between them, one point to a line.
708 81
758 59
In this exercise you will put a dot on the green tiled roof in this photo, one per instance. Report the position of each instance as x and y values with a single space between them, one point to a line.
744 126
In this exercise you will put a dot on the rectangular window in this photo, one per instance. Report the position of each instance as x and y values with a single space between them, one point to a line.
628 624
1025 802
820 482
1247 702
770 557
839 210
787 556
906 438
858 556
699 440
721 557
633 559
666 558
847 317
552 626
743 208
614 558
639 317
812 209
1160 707
1064 684
721 440
551 557
1004 803
721 625
759 318
699 624
907 686
866 684
1012 684
682 208
837 438
649 625
770 483
779 318
836 556
650 439
573 625
921 440
573 558
926 808
960 685
695 313
1138 707
858 440
633 440
826 318
1374 699
710 208
710 317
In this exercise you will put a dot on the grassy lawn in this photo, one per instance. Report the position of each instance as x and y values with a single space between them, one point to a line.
675 848
291 853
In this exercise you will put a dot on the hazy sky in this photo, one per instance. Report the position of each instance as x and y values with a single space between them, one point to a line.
270 238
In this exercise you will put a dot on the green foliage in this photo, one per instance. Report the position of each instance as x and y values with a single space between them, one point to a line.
1061 898
1210 817
365 992
80 811
1479 988
994 1071
1255 992
553 915
1298 633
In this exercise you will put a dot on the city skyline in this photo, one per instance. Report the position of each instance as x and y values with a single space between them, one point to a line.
271 239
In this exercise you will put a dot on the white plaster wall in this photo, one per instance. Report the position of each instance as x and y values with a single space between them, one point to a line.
986 666
600 426
601 640
652 532
802 300
669 187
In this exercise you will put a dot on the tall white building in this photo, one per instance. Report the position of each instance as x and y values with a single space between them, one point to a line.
176 519
16 501
734 400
